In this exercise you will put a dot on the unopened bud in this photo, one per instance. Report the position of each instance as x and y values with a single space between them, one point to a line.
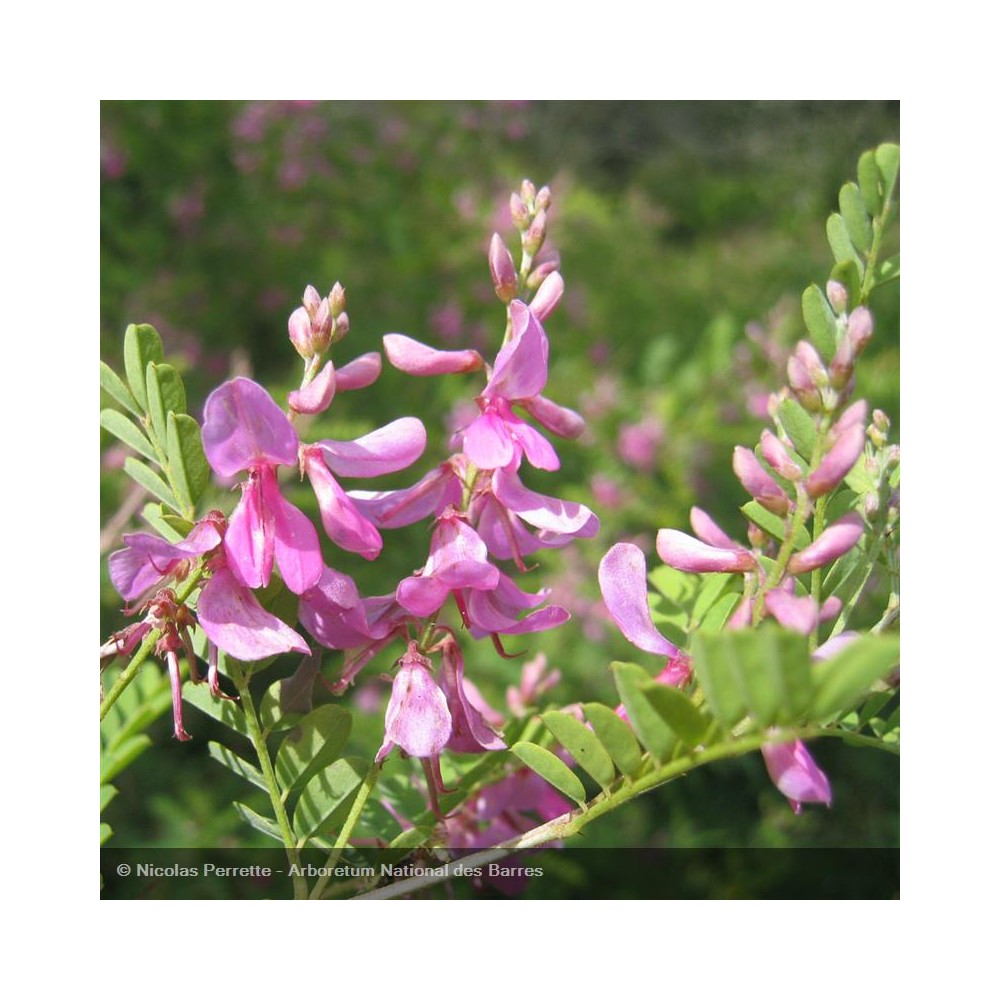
881 421
311 299
870 506
859 329
757 536
758 483
300 333
341 327
502 270
777 456
544 198
337 299
528 192
837 296
535 236
548 296
519 213
544 269
837 462
892 456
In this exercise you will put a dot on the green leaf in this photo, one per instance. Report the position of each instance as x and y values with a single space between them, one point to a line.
678 587
840 240
142 346
859 225
154 516
313 744
118 390
272 715
654 734
258 822
228 713
583 745
414 837
717 668
843 679
679 712
868 180
712 587
108 792
117 760
798 426
820 320
148 479
548 766
616 737
164 393
719 614
236 764
887 270
774 525
325 792
848 273
887 162
187 457
126 431
106 833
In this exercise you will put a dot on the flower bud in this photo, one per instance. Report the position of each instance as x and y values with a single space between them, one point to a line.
839 538
519 213
837 462
300 333
837 296
859 329
337 299
311 299
535 236
542 271
757 536
547 297
758 483
528 193
777 456
341 327
544 198
502 270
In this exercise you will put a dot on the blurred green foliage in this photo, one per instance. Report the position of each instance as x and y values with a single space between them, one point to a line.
687 232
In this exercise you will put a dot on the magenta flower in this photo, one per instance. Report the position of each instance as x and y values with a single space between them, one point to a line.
149 559
417 719
470 732
496 611
385 450
245 430
796 774
458 560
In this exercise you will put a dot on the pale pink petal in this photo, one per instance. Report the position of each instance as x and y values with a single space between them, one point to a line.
318 394
560 420
421 595
622 578
249 541
397 508
233 619
839 538
838 461
333 612
757 482
683 552
359 373
414 358
487 442
417 719
797 613
342 521
796 775
710 533
521 367
540 511
548 295
244 427
296 544
536 448
385 450
470 732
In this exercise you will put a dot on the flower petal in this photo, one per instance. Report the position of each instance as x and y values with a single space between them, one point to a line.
296 544
414 358
540 511
796 774
385 450
487 441
397 508
249 540
244 427
417 719
560 420
333 612
839 538
359 373
233 619
342 521
521 367
318 394
683 552
622 577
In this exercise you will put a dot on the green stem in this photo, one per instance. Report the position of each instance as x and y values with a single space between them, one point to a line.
343 838
270 779
142 653
878 228
815 583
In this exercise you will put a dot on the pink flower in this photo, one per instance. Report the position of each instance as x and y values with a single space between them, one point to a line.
245 430
417 719
796 775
